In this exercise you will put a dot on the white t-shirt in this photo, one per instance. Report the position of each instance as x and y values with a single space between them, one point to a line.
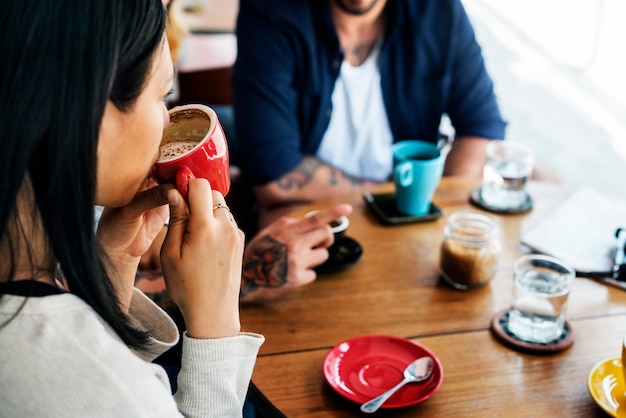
358 138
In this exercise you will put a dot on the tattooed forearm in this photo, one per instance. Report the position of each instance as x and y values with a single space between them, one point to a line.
337 176
304 172
265 267
352 180
333 177
301 175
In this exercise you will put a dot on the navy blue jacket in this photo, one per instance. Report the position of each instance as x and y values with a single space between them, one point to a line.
289 57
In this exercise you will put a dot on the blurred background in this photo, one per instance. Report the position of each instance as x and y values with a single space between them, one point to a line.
559 70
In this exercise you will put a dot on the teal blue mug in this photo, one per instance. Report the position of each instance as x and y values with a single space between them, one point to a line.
417 169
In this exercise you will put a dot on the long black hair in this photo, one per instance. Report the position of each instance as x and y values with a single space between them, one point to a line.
61 61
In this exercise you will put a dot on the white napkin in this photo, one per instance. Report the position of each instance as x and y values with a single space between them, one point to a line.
580 231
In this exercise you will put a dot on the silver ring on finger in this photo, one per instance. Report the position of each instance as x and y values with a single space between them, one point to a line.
220 206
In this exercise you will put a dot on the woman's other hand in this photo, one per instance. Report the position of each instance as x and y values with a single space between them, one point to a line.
127 232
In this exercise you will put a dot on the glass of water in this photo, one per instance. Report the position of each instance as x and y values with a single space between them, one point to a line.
540 295
508 168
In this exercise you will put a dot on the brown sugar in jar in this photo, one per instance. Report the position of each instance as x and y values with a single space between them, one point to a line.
470 250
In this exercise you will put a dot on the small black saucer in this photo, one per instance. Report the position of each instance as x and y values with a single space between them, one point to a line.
499 328
383 205
477 200
342 254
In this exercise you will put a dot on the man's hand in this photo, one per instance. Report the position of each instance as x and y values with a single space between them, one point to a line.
283 255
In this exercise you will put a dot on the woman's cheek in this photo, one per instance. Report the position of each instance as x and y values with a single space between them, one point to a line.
166 117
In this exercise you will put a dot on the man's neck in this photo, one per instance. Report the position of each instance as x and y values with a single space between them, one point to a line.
358 33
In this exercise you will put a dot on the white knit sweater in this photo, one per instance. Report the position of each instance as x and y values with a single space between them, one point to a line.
58 358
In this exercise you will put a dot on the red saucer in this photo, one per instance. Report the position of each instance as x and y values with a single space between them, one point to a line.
364 367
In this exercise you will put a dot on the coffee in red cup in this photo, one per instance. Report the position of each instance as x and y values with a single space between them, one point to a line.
193 146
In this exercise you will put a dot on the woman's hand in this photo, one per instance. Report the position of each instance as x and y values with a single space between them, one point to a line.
127 232
201 259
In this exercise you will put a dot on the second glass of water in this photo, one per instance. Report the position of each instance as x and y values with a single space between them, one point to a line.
508 168
540 295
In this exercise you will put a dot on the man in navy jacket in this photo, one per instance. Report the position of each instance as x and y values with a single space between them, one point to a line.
322 88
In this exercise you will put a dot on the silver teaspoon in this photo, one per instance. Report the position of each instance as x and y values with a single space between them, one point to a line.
417 371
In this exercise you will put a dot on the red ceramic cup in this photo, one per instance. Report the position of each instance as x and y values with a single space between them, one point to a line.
193 145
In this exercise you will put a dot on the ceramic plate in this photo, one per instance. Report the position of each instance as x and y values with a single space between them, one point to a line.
606 386
364 367
342 254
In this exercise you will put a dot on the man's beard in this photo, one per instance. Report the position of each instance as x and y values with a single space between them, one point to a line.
357 10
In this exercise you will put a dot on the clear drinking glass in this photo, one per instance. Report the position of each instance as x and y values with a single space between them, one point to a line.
540 295
506 172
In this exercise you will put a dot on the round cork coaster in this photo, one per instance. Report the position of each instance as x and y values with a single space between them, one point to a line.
477 200
499 328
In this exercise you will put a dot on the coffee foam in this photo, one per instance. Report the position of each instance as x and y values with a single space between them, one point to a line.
187 128
173 150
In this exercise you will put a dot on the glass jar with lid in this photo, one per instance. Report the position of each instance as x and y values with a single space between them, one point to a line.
470 250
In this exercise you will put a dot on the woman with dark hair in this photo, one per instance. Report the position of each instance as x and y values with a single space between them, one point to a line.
81 114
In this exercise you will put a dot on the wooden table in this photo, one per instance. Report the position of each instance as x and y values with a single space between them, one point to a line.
395 289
